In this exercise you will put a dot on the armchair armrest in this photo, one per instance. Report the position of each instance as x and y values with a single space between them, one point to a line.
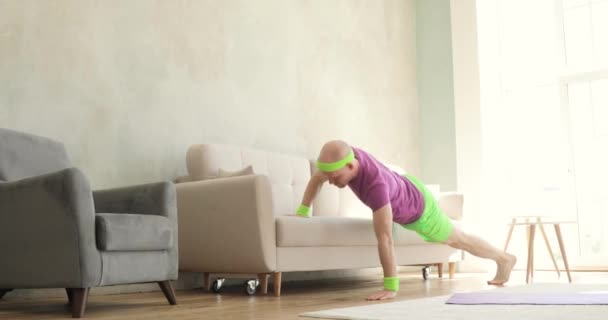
227 225
47 232
152 199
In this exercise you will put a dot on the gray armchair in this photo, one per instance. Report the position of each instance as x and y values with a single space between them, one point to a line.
57 233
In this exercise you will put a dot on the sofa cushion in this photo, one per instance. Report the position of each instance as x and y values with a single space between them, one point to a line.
288 175
335 231
294 231
132 232
332 201
248 170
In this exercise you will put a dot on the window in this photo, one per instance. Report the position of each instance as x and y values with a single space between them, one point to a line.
544 86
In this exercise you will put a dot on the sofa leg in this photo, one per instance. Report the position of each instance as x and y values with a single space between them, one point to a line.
452 267
440 269
263 277
277 284
206 282
167 289
80 297
4 291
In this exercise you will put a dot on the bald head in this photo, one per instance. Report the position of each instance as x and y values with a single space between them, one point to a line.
334 151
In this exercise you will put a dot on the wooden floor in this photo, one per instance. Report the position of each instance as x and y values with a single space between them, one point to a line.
232 303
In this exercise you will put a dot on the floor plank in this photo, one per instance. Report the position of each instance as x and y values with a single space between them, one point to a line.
232 303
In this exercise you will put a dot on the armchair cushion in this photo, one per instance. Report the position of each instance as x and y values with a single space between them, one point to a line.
133 232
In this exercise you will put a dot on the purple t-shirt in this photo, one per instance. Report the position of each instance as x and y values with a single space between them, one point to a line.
376 185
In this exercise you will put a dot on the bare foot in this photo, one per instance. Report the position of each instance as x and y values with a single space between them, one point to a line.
503 270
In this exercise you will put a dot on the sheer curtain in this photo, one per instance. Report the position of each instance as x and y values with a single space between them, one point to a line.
525 141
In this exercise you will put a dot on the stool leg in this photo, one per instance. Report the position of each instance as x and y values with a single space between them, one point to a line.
509 235
530 271
542 230
558 233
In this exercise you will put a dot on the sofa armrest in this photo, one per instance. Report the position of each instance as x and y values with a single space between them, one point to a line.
227 225
47 232
451 203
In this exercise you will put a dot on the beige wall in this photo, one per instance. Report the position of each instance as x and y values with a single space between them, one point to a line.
435 80
129 85
468 127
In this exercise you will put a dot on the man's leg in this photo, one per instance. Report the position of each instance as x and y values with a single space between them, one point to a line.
481 248
435 226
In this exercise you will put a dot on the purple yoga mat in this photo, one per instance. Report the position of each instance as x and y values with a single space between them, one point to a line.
529 298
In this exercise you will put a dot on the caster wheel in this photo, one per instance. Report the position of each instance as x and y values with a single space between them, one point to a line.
217 285
251 286
426 272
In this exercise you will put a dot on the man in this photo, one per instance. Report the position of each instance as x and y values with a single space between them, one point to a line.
395 198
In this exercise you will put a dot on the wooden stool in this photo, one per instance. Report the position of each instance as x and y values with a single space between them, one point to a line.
531 222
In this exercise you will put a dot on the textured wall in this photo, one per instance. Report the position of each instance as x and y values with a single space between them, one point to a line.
436 93
129 85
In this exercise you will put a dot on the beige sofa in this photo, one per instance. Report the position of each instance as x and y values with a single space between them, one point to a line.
242 224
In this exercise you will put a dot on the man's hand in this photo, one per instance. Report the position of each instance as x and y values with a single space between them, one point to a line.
382 295
312 188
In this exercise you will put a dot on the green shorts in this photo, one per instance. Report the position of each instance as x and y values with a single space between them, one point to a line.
433 225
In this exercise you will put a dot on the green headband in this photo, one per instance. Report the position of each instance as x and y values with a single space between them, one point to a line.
334 166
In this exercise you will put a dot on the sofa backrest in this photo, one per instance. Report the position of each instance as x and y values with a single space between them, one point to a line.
451 203
24 155
333 201
288 175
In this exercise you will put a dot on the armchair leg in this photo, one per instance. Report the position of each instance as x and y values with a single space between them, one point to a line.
440 270
167 289
452 268
80 297
277 284
4 291
70 295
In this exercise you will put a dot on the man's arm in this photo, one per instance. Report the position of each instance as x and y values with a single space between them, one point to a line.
312 189
383 226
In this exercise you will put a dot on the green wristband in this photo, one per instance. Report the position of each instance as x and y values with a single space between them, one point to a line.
391 283
303 211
